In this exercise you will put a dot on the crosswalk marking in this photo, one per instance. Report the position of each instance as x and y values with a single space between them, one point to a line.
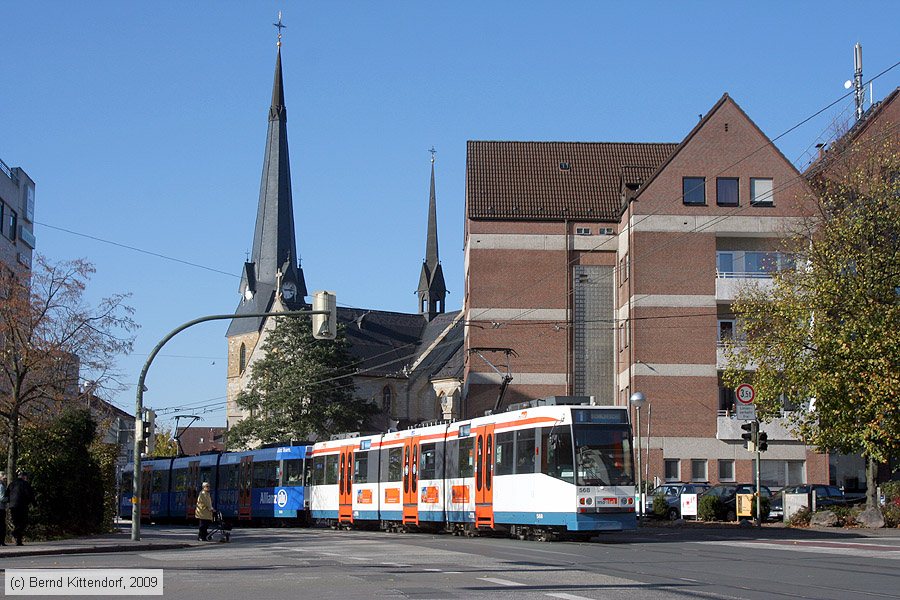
505 582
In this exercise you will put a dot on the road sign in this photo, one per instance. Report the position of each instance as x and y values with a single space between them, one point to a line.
745 412
745 393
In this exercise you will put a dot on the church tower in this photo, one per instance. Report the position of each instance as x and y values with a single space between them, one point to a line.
432 291
272 278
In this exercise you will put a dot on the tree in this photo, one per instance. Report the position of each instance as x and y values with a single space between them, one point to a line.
165 443
825 338
72 476
49 336
300 389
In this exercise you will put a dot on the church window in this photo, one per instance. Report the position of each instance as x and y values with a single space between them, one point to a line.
386 398
243 359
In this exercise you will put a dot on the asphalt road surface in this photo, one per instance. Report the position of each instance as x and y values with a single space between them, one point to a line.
652 563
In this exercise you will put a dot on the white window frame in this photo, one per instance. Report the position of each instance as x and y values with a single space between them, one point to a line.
762 197
582 231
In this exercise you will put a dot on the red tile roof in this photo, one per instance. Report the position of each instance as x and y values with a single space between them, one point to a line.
555 180
195 440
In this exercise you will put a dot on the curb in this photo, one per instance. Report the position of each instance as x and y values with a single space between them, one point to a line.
94 550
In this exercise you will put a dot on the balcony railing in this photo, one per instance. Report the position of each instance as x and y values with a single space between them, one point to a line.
729 283
8 172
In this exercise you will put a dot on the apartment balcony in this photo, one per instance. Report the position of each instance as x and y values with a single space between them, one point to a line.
729 283
721 359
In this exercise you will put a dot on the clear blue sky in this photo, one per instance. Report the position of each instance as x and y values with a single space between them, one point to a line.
144 124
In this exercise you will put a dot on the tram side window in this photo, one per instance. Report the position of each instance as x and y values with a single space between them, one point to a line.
265 474
360 467
466 467
126 480
207 475
428 462
159 481
317 471
293 471
394 464
503 453
556 453
228 475
524 451
179 480
331 469
452 452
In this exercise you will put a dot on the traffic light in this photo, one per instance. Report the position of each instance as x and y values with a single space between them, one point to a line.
763 441
149 430
324 327
752 435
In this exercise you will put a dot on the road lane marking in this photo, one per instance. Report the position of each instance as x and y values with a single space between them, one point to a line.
565 596
505 582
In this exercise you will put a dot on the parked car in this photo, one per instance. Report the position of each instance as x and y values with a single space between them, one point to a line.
727 495
825 495
671 493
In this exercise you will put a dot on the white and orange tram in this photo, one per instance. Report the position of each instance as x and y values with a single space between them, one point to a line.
540 470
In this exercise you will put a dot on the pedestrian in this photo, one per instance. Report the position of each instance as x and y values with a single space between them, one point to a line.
21 497
4 500
204 511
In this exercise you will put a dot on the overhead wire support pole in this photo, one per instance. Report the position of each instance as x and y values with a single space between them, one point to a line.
139 401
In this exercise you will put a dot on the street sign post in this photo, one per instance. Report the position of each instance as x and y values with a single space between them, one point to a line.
745 410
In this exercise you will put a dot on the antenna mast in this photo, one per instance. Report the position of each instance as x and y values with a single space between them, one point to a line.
857 80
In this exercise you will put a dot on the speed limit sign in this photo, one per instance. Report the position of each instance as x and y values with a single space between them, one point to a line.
745 393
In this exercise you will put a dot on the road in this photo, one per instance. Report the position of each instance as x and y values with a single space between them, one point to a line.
652 563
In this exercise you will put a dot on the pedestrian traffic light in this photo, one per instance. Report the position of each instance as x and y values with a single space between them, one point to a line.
763 441
752 435
324 326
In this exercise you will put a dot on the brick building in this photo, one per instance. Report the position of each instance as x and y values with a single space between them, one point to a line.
609 268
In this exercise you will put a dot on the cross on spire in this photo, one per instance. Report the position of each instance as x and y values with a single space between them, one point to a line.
433 152
279 25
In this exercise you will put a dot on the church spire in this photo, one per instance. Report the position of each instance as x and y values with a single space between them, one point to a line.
432 290
273 267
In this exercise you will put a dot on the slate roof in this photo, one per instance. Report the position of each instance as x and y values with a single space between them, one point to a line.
382 342
554 180
441 349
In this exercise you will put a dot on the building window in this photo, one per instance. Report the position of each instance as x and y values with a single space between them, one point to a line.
242 361
672 469
582 231
627 267
726 470
761 192
386 399
726 330
727 191
698 470
606 231
694 190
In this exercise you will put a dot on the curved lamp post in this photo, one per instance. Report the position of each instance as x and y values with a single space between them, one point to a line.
637 401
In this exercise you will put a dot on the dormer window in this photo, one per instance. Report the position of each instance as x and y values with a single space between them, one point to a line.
565 166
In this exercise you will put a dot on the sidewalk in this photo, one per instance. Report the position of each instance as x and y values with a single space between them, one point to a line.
151 539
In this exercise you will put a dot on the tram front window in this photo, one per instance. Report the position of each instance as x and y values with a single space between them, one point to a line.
603 455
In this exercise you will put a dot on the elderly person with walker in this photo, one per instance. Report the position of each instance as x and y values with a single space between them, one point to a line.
204 511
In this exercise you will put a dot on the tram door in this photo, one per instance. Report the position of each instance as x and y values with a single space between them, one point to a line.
245 497
146 484
193 488
345 485
484 476
411 481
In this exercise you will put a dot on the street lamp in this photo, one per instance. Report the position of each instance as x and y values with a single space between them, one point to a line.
637 401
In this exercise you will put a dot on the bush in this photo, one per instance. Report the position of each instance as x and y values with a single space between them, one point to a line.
801 517
891 514
660 507
891 491
71 483
846 515
709 508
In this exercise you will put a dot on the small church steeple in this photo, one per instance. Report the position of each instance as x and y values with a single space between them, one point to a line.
273 268
432 290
